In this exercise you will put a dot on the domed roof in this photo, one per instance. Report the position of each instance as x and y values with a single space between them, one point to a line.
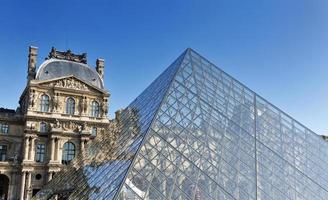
55 68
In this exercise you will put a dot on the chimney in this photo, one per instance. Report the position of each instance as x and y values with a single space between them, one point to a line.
32 55
100 67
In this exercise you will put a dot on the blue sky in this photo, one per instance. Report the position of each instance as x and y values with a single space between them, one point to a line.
278 48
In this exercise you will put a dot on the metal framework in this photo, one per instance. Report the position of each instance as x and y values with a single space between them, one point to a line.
197 133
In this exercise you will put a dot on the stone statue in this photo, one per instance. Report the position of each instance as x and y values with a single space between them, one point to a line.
31 100
104 107
84 104
57 124
55 102
85 126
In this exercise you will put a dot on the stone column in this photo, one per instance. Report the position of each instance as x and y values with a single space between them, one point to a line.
28 187
82 146
56 149
32 150
52 152
59 151
26 149
22 186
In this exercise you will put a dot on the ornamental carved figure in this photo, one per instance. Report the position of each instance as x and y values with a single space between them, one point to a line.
31 99
104 107
55 102
72 126
68 55
84 105
71 84
85 127
56 125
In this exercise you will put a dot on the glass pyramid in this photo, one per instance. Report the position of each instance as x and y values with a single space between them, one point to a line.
196 133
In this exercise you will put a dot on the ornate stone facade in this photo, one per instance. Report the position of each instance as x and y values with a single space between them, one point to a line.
57 118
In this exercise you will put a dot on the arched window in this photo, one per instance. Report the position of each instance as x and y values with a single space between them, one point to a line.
70 106
68 152
94 109
44 105
43 127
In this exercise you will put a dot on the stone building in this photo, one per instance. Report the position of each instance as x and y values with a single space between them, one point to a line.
61 110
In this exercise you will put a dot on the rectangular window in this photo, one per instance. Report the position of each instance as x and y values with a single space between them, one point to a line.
3 152
4 128
40 151
43 127
94 131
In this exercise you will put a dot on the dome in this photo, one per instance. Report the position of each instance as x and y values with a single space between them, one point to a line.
55 68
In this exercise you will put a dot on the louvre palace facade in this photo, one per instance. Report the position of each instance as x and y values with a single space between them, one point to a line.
194 133
62 109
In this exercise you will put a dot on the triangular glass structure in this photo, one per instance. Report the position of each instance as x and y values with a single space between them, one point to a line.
197 133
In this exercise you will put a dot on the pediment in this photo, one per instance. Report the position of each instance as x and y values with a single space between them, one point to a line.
70 82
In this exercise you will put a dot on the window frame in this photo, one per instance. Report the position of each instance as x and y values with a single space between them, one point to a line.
70 106
3 152
43 127
95 109
69 152
4 128
40 153
44 103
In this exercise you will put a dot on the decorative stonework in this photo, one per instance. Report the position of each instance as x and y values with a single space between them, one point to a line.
57 103
31 101
104 107
72 126
83 105
69 83
56 125
68 55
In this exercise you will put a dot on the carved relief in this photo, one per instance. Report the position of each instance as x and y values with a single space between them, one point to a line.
85 127
70 83
72 126
31 125
56 125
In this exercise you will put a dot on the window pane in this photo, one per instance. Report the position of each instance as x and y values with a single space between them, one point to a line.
43 127
95 109
44 105
68 152
4 128
3 152
70 106
40 151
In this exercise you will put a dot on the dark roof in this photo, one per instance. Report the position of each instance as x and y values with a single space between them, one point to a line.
55 68
6 110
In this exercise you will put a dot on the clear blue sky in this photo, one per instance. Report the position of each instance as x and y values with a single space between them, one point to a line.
278 48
